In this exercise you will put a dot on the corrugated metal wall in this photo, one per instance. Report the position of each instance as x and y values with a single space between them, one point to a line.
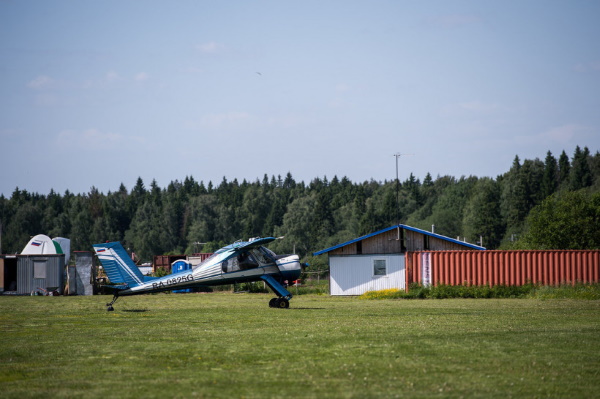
40 271
353 275
503 267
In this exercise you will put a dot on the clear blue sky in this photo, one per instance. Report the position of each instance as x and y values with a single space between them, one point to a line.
97 93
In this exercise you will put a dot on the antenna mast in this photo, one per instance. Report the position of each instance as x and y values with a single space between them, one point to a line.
398 155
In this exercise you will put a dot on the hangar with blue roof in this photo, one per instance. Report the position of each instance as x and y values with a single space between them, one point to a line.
376 261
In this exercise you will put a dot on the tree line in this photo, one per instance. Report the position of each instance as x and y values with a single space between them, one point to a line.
535 204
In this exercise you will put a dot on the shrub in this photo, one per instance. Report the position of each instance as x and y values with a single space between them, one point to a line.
161 272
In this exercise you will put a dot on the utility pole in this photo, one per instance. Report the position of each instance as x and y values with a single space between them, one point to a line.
398 155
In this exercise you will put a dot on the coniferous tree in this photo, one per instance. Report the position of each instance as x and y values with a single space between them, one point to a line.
279 204
144 235
448 211
323 223
550 178
370 221
413 184
482 216
190 187
171 224
390 214
202 217
136 197
51 213
428 181
360 207
114 217
564 169
289 182
514 198
581 175
81 231
117 207
155 193
532 173
255 210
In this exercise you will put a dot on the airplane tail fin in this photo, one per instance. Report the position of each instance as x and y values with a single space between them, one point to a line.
117 264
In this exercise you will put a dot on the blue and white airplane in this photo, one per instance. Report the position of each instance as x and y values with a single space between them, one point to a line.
241 261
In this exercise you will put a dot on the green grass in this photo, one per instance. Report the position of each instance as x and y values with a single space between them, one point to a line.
567 291
577 291
225 345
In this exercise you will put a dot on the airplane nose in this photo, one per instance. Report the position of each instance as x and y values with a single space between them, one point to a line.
290 267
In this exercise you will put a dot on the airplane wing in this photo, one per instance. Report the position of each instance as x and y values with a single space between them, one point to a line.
244 246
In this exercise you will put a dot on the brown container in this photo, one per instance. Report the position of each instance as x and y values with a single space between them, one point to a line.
165 261
502 267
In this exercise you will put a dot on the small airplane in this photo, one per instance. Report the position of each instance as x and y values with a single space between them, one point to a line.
241 261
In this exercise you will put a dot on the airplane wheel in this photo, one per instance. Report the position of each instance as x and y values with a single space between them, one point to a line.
273 302
110 309
283 303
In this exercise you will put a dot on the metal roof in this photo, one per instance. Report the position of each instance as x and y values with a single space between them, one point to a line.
405 227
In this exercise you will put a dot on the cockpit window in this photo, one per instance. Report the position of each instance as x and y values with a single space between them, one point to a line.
246 261
269 253
260 256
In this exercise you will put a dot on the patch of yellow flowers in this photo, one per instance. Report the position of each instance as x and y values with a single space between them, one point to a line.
382 294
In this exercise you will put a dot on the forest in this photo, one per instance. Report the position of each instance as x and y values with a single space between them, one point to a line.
549 204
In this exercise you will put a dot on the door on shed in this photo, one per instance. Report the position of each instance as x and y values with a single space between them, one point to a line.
40 273
355 275
9 274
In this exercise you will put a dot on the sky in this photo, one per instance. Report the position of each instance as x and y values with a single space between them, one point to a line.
99 93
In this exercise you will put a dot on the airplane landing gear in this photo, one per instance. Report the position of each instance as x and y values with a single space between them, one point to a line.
281 303
109 306
284 296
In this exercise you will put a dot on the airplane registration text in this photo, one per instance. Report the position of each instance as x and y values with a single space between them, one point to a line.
172 281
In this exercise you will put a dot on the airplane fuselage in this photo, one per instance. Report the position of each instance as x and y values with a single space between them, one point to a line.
238 262
288 268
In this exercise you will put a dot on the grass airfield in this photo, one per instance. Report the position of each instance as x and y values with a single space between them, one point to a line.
233 345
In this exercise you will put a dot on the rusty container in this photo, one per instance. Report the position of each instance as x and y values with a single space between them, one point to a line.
551 267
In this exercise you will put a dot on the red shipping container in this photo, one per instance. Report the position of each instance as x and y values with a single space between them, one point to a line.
502 267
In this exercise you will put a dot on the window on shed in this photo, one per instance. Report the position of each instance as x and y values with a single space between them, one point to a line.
379 267
39 269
